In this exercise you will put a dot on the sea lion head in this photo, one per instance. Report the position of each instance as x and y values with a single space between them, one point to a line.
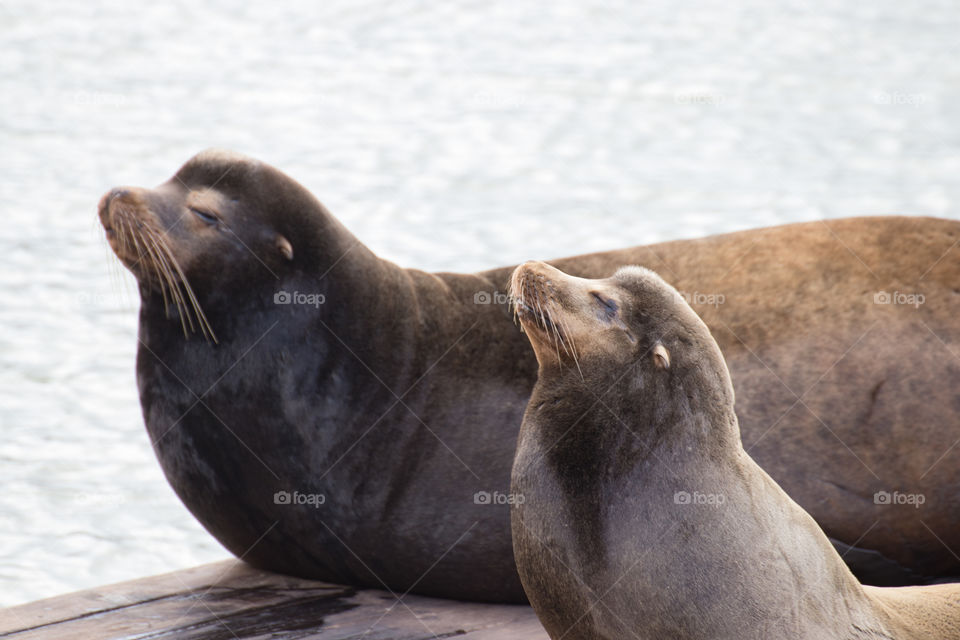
632 327
224 223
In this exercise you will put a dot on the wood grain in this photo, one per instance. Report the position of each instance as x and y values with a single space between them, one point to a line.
230 600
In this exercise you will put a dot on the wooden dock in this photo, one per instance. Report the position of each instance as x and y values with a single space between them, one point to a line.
230 600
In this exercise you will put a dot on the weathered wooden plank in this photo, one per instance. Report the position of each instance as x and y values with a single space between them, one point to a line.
231 600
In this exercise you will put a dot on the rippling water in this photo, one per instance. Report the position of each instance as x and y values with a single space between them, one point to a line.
452 136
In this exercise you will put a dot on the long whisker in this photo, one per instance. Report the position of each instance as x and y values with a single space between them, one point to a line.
554 334
541 316
201 317
163 274
557 332
167 275
182 306
115 277
123 233
135 237
167 282
131 238
131 235
163 266
572 350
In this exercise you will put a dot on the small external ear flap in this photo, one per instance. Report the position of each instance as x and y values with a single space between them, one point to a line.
285 247
661 357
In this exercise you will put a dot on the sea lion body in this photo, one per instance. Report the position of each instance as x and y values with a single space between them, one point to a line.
639 514
395 396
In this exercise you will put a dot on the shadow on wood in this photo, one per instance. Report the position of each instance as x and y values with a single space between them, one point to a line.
230 600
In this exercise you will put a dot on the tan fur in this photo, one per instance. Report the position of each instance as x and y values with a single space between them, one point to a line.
754 566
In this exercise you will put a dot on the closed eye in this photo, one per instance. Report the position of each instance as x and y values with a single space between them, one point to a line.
209 218
610 307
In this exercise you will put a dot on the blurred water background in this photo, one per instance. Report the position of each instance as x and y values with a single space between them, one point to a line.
447 136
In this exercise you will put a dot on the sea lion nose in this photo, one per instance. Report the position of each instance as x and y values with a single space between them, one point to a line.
104 205
118 192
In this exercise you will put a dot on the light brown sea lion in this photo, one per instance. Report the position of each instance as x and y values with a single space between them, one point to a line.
394 396
638 514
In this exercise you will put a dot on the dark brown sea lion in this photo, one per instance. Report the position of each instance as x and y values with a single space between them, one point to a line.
638 514
349 420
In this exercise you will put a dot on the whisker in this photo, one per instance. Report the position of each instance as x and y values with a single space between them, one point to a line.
162 272
202 321
183 303
114 268
142 239
165 270
573 352
165 273
541 317
555 335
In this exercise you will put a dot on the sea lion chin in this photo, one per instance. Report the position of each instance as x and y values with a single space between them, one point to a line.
638 513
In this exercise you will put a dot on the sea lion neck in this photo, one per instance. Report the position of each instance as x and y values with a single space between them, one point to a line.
637 411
